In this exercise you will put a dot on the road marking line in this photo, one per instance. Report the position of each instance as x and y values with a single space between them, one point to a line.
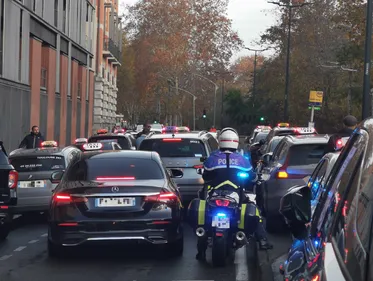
19 249
242 271
16 216
33 241
3 258
44 235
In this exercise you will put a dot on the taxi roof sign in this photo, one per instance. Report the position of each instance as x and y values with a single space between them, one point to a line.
305 130
283 125
170 129
81 140
93 146
49 144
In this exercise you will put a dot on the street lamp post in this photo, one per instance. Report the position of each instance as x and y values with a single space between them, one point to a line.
216 90
222 95
350 70
194 105
367 63
287 74
255 63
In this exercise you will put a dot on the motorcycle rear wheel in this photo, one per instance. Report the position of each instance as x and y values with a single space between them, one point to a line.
219 251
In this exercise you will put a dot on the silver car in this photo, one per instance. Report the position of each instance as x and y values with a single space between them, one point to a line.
35 167
184 151
292 163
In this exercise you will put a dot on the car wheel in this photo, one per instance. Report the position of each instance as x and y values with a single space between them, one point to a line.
176 248
55 251
4 230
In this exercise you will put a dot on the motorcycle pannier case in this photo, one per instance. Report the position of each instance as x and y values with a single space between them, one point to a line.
197 212
249 217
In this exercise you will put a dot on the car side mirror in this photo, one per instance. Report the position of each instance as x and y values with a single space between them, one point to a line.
176 173
200 171
267 158
203 159
133 148
57 176
261 142
295 206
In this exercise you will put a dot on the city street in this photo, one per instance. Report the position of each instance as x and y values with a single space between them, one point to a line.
23 256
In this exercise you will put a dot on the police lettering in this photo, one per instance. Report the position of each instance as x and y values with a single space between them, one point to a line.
231 162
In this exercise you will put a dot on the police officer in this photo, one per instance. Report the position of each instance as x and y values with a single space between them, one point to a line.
223 166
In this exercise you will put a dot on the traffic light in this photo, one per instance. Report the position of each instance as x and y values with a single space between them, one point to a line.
204 113
261 118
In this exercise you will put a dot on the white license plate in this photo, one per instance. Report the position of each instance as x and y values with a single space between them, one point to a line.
115 202
31 184
220 222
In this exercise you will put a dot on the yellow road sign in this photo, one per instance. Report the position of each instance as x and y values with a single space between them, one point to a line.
316 96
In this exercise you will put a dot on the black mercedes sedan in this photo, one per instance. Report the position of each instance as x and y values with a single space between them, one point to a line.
115 196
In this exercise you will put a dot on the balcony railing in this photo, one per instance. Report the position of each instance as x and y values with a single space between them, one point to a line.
110 46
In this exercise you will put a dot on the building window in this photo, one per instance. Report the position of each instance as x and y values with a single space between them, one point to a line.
43 78
64 16
87 13
42 8
55 13
79 95
87 87
20 47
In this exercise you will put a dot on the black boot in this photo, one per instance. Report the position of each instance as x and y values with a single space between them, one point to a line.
201 249
201 256
265 245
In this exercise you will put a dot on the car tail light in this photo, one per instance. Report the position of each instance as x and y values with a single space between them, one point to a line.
172 140
222 202
114 178
282 175
167 197
198 166
68 224
13 179
62 198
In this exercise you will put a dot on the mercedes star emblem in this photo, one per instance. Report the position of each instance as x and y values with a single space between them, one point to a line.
115 189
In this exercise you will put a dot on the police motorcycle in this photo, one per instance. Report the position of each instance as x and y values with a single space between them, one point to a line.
227 218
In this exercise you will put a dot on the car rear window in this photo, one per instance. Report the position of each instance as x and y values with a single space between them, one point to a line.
38 163
175 147
306 154
122 141
91 169
274 144
285 132
260 136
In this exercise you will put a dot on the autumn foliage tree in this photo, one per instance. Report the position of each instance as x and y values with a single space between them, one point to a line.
327 32
169 41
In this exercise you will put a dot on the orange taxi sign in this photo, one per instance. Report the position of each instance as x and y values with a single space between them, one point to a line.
49 144
283 125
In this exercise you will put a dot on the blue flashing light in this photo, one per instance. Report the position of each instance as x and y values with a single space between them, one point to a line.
243 175
316 242
221 215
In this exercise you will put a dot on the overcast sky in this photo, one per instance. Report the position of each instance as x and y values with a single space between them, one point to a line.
250 19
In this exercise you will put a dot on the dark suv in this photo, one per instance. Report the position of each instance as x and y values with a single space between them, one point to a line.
292 163
341 226
8 187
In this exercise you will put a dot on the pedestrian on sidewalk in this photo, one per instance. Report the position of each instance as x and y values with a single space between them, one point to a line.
32 140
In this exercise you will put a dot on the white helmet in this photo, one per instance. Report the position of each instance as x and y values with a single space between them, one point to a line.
228 139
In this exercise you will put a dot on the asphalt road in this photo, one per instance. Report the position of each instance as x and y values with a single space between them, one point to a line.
23 256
